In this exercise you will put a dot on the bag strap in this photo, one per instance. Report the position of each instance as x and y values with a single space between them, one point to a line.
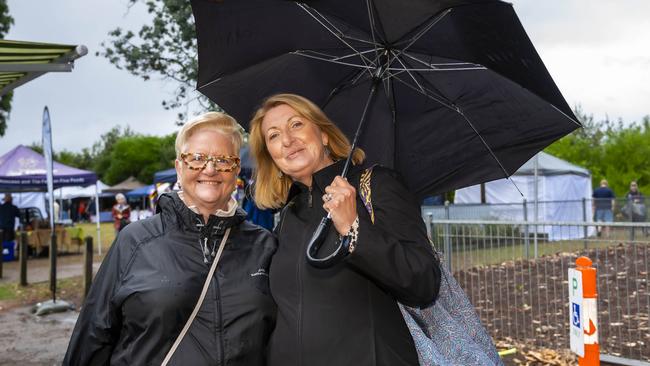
199 302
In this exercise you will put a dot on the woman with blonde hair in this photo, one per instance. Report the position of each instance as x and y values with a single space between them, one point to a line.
188 286
346 314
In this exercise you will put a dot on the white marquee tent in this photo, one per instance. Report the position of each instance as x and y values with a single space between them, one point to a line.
563 193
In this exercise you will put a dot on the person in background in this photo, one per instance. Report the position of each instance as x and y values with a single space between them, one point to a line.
635 208
8 214
121 213
57 211
81 211
603 204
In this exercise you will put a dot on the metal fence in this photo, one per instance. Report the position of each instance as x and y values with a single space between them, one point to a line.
624 210
516 276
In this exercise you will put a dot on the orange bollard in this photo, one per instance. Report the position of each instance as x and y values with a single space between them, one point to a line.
590 319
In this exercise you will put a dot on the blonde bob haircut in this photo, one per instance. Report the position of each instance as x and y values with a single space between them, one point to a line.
214 121
271 185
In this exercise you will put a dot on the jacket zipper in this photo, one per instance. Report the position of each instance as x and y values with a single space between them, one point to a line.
309 199
220 314
300 295
219 337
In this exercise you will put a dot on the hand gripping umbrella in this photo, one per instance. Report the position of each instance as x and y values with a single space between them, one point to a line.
454 92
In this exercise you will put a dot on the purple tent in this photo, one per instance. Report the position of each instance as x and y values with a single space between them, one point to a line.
22 169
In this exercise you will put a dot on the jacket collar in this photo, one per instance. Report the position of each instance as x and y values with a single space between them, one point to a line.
322 178
170 205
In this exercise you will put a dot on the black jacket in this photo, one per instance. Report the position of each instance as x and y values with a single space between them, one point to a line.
348 314
150 281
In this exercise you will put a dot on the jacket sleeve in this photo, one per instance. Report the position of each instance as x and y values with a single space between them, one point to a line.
395 251
98 326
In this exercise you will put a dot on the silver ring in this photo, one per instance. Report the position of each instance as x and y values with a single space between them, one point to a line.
328 197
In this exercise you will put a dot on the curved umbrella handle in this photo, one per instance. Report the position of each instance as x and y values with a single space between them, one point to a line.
343 243
317 240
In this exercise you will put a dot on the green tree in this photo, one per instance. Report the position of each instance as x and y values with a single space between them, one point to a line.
625 156
121 153
101 151
139 156
165 47
583 146
5 101
614 151
82 160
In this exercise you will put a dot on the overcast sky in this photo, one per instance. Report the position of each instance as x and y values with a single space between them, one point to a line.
598 52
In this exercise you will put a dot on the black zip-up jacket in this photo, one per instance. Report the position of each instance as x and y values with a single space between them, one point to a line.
150 281
348 314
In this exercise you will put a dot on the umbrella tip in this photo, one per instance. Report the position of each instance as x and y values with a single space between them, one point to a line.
516 187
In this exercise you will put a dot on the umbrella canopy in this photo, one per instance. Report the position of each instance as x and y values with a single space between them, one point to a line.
23 170
462 96
126 185
72 192
21 62
142 191
165 176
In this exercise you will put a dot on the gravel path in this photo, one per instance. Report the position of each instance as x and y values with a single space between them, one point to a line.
38 270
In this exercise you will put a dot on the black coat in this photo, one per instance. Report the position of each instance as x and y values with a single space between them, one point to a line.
348 314
150 281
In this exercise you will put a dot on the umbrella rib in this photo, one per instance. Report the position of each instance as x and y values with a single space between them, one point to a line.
300 53
371 19
407 70
208 84
340 33
435 98
432 67
333 57
357 78
362 57
565 115
458 110
422 32
436 70
337 89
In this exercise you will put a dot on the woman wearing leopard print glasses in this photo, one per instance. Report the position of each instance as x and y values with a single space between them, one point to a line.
149 283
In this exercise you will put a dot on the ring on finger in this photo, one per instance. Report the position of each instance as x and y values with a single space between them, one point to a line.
328 197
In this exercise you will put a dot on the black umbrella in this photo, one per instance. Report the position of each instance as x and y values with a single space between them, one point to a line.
461 95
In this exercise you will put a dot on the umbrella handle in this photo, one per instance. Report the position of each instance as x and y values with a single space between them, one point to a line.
319 235
317 240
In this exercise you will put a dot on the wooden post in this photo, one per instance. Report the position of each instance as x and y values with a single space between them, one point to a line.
23 258
53 253
88 265
2 251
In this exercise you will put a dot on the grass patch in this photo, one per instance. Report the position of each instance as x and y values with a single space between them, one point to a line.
7 292
107 232
475 247
70 289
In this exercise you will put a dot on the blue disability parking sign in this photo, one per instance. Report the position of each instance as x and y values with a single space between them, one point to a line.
575 315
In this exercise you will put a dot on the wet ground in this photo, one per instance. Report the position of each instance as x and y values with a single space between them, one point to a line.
27 339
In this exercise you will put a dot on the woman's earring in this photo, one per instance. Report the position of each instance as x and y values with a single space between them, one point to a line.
280 174
327 150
